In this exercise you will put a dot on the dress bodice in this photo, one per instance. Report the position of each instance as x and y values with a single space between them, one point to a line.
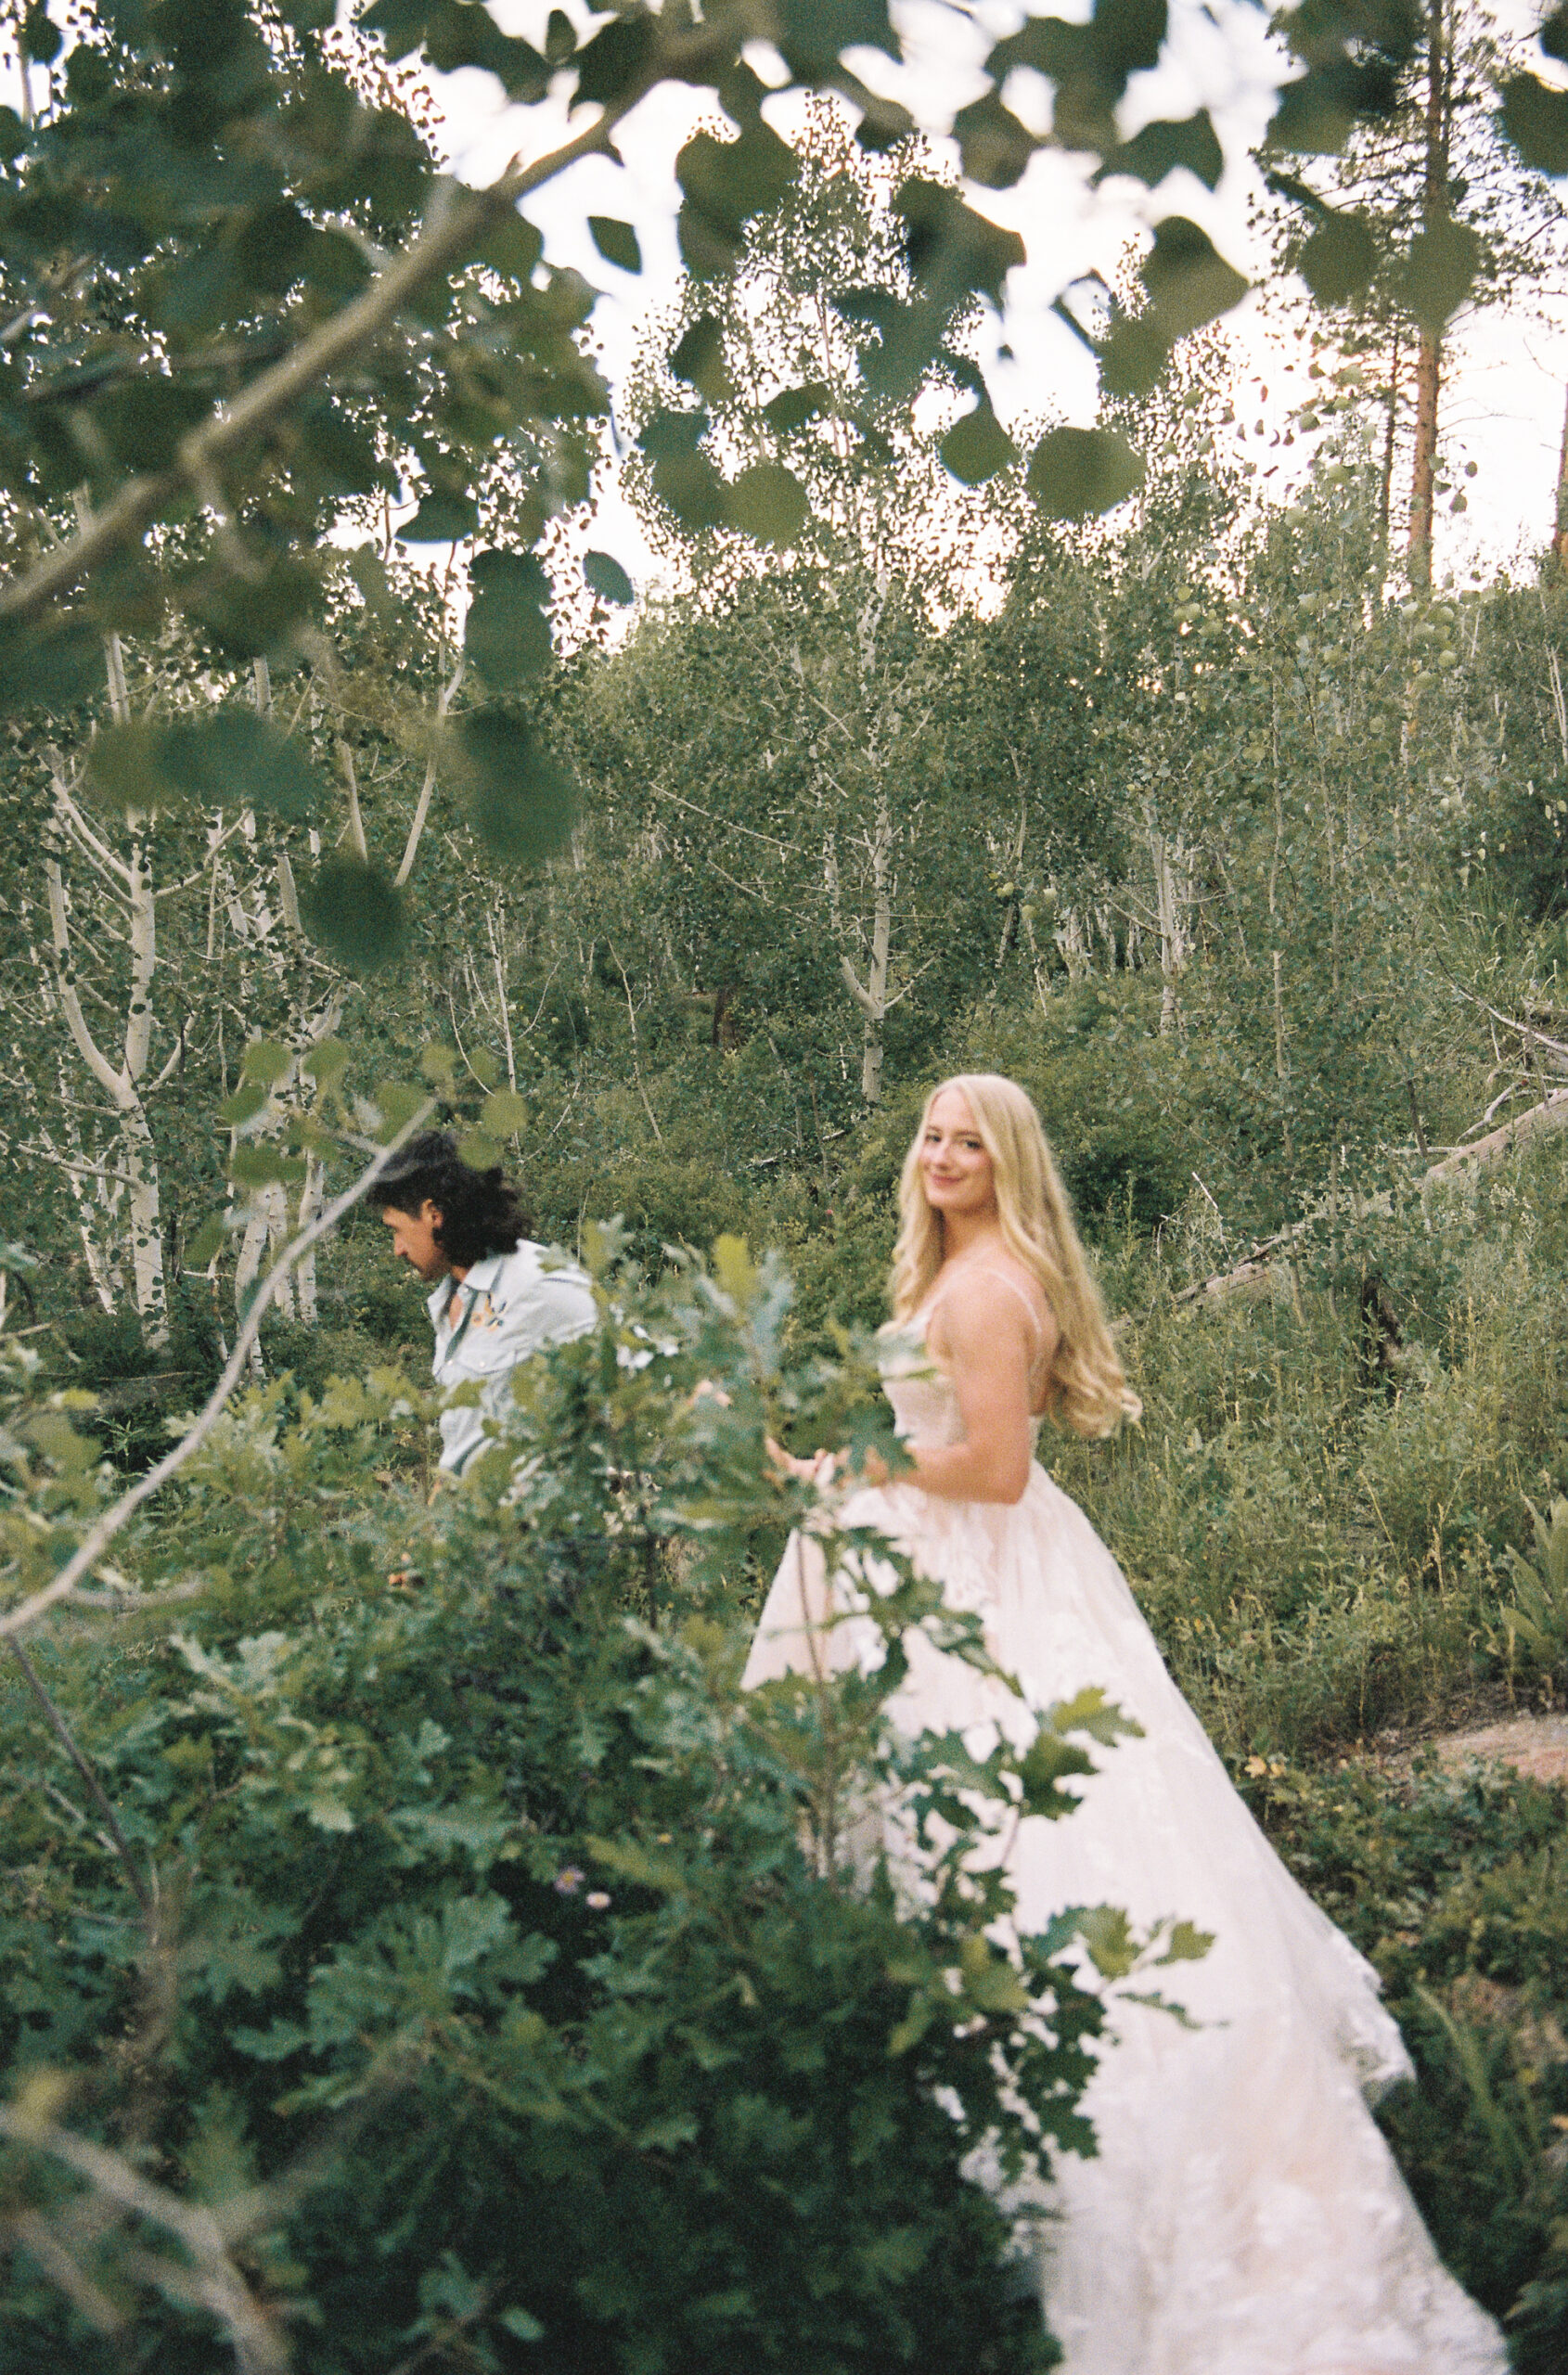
925 1408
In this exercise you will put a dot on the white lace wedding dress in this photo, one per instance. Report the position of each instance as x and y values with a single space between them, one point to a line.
1243 2215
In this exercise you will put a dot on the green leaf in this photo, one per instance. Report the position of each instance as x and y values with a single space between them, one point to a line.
441 520
255 615
1339 259
1318 113
1188 279
55 666
1132 356
325 1062
612 62
1049 1762
484 1066
504 1113
950 249
689 484
236 760
209 1240
270 251
268 1060
1090 1710
617 242
724 183
462 33
512 247
142 424
792 407
507 634
401 24
1186 1944
1535 118
354 912
125 770
1073 473
520 2324
977 447
994 147
769 502
522 805
41 39
813 34
699 359
1439 271
249 1099
264 1166
397 1102
1161 146
1107 1935
607 579
479 1151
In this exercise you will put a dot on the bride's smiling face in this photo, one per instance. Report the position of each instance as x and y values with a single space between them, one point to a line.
956 1171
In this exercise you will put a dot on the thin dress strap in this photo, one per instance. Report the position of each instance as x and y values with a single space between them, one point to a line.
1003 1278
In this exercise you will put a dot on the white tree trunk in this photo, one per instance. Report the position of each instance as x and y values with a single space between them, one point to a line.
1171 865
870 995
136 1165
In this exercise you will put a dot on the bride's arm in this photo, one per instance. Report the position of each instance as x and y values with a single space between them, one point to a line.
983 1341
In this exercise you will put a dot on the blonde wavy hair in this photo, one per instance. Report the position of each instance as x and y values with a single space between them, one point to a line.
1086 1389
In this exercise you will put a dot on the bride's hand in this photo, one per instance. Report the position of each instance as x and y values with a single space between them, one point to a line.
817 1470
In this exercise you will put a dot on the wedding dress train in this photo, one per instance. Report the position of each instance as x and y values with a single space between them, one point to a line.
1242 2215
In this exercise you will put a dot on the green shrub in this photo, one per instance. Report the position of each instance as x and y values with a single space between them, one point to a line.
1458 1890
546 1987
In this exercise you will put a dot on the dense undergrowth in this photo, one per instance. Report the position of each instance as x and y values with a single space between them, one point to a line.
1457 1889
500 1989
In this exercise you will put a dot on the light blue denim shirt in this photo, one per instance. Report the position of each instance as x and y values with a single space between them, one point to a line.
505 1308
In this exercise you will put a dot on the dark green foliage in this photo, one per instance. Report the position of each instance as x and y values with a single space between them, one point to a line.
1075 473
1458 1890
521 802
353 909
488 1890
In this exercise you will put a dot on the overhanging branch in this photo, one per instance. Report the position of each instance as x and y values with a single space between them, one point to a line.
456 220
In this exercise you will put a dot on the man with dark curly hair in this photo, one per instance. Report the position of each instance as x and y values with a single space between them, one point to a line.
494 1302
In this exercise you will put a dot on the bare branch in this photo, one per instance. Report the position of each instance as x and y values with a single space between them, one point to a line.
82 831
214 2281
447 696
111 1082
857 990
1541 1121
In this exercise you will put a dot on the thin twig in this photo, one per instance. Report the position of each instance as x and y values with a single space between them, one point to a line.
67 1740
82 1559
637 1067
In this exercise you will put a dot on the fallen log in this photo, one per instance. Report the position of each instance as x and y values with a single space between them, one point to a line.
1265 1261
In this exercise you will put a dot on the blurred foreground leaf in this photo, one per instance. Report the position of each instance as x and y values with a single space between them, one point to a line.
354 912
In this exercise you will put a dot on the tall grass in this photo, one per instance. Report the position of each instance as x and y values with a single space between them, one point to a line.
1317 1519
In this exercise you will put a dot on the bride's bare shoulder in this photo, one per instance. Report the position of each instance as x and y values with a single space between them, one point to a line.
994 1295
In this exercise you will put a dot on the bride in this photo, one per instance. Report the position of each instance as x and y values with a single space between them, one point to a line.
1242 2215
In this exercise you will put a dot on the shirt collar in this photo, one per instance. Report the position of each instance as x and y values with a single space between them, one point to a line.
480 1280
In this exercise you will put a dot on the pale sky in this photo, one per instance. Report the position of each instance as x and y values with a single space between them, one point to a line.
1506 406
